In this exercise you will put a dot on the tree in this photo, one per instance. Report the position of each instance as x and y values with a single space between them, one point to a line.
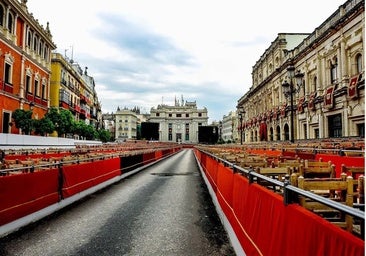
63 120
23 120
44 126
104 135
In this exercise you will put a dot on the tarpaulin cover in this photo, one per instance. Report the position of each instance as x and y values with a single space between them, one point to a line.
22 194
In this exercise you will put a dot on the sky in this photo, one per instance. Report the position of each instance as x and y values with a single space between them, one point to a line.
143 53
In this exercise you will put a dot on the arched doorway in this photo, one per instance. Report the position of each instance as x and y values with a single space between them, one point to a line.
271 134
278 133
287 132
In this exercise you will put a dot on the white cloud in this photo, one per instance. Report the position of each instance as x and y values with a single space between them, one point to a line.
144 52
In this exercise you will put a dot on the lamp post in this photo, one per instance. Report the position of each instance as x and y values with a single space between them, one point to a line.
289 90
241 114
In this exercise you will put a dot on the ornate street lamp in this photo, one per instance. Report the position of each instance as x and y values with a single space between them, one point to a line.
241 116
289 90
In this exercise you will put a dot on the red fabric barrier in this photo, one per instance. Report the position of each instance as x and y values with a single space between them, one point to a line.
158 154
148 157
265 226
211 171
23 194
339 160
85 175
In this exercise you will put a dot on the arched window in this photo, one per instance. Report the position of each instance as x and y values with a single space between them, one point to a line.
2 15
287 132
315 83
35 43
10 22
29 38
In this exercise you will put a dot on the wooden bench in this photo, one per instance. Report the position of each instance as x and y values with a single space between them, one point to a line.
337 189
277 173
317 169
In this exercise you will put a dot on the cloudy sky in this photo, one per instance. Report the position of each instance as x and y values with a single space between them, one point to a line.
147 52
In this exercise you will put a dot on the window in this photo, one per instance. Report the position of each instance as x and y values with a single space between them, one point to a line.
179 115
36 88
28 84
2 15
157 114
10 22
199 114
361 130
333 71
316 133
35 43
187 115
170 115
29 39
359 63
44 91
315 81
335 126
7 74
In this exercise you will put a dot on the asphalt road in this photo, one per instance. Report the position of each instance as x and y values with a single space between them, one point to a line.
163 210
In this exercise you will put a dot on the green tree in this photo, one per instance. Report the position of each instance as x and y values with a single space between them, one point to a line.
44 126
23 120
104 135
62 119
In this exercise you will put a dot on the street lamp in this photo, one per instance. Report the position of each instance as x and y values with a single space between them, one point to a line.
241 115
289 90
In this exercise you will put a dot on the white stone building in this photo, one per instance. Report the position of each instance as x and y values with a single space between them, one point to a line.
179 123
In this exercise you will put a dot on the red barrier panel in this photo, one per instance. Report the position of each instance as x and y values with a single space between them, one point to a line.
86 175
23 194
211 171
158 154
148 157
339 160
265 226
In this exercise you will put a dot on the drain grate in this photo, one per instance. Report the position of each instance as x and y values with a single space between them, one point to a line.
165 174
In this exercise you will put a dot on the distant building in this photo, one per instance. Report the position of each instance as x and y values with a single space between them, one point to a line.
179 123
126 124
229 130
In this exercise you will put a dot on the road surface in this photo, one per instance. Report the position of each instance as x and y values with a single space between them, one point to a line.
163 210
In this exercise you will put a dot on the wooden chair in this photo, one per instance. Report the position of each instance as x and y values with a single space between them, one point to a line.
295 165
337 189
317 169
277 173
355 172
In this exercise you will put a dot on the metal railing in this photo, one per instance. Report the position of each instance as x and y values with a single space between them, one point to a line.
289 191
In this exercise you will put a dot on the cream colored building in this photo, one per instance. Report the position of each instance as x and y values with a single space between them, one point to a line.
126 124
329 102
179 123
229 128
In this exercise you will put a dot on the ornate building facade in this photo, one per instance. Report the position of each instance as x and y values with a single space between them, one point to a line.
328 99
74 90
25 65
179 123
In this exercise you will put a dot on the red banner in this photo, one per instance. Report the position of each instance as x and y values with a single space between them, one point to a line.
328 97
352 87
